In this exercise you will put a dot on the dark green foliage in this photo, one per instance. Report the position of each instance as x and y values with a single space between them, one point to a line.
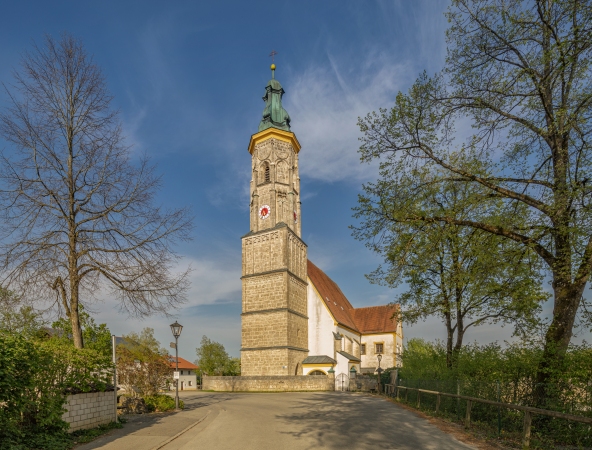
83 436
35 377
161 403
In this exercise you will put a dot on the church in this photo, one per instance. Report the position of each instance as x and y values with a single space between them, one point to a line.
295 319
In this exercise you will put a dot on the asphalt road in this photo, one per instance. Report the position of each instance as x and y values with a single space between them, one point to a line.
316 420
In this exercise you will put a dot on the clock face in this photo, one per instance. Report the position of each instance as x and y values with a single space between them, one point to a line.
264 211
295 217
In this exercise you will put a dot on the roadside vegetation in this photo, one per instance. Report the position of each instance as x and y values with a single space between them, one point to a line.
39 368
506 374
144 370
484 183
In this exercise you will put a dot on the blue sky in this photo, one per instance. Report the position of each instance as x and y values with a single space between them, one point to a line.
188 78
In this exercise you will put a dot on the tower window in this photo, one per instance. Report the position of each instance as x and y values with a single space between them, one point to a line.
267 175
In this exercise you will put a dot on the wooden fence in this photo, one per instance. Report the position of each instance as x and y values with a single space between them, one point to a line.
393 390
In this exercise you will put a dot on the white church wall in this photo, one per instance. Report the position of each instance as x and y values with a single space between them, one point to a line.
320 325
344 365
347 343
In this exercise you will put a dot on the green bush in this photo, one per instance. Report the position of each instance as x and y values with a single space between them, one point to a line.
162 402
506 374
35 377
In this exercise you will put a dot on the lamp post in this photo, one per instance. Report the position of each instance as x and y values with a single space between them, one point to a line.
176 329
379 370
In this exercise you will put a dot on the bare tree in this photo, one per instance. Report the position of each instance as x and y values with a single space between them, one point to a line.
78 214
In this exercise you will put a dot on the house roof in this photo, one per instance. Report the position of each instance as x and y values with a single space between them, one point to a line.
337 303
350 357
376 319
372 319
321 359
183 364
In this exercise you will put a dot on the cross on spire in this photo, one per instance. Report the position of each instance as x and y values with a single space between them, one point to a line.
272 54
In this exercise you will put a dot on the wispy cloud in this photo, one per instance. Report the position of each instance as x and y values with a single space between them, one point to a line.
325 103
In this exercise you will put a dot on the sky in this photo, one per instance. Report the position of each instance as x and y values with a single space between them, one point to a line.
188 77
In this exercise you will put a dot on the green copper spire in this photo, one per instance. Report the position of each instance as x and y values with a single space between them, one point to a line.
274 115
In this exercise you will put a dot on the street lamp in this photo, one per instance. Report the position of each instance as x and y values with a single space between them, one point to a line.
379 370
176 329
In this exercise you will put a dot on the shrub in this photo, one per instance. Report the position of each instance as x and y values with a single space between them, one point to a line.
35 377
161 403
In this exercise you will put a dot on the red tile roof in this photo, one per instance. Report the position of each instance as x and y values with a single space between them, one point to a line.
183 364
332 296
376 319
373 319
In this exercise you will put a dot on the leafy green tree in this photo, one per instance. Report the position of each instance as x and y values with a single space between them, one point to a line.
518 72
465 276
96 337
213 359
25 320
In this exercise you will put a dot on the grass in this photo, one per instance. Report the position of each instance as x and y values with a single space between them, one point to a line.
84 436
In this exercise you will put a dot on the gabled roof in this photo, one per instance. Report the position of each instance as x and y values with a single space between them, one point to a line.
337 303
372 319
183 364
376 319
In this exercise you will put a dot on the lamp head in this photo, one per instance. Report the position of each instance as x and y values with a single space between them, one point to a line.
379 357
176 329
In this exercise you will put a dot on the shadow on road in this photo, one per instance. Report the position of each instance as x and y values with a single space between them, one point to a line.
344 420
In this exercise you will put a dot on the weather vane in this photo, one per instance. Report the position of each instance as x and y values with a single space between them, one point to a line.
272 54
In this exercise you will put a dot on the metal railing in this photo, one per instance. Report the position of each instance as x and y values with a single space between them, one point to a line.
394 391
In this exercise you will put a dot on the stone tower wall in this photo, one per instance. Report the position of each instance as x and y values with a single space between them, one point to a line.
274 318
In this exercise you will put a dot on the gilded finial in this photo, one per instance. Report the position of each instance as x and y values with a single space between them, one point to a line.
272 54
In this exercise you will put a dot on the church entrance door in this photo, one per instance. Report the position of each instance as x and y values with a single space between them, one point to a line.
342 382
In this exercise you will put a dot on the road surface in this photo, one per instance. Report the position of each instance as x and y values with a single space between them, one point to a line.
298 421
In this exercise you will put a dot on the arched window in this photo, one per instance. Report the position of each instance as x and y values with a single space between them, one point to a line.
264 173
317 372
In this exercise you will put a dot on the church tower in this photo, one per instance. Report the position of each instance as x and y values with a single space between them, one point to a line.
274 304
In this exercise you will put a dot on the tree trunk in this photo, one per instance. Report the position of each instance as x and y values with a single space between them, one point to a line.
449 338
75 316
567 301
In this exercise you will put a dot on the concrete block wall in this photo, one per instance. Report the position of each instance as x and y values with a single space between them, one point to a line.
269 383
89 410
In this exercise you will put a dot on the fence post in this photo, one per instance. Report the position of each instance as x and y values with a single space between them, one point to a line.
499 410
457 400
406 394
397 391
526 431
418 399
468 416
437 403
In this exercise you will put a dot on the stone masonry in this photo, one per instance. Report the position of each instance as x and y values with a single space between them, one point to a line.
274 304
269 384
89 410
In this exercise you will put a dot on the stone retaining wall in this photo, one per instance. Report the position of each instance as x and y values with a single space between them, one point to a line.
89 410
270 383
